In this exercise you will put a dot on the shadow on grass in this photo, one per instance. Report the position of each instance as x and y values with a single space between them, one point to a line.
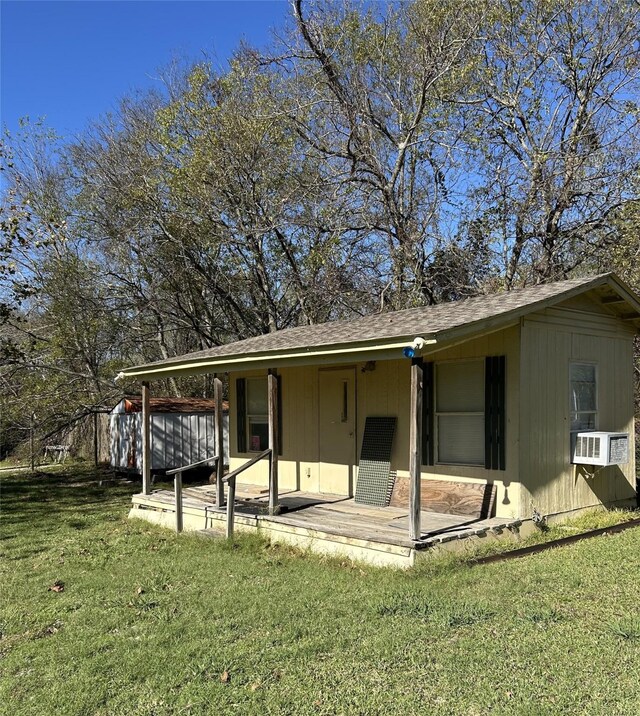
71 497
70 494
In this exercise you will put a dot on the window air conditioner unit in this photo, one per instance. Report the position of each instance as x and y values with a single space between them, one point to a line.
601 449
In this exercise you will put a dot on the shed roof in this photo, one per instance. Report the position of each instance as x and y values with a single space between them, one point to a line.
437 324
133 404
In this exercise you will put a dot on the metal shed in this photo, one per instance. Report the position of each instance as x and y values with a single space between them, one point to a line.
182 433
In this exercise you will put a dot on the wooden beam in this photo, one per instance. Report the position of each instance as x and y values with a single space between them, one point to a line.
177 489
219 432
415 448
272 391
146 439
231 503
612 299
334 354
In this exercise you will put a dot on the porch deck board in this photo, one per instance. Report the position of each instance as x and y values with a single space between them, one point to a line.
335 515
368 533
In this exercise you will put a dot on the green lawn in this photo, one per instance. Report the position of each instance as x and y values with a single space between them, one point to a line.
151 623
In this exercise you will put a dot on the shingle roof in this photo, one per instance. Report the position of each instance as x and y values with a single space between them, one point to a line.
427 321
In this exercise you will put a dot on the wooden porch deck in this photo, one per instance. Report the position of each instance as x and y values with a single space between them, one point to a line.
321 522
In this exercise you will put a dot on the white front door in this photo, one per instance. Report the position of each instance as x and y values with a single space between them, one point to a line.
337 428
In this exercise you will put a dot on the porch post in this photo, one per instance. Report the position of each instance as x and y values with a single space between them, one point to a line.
177 494
146 439
415 449
219 428
272 391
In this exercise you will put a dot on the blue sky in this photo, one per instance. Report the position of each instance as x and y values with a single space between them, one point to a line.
71 61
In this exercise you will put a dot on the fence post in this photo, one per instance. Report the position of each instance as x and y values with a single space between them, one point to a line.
95 439
31 442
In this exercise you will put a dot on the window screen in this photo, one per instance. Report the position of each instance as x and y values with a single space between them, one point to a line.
460 396
583 396
460 387
257 414
461 439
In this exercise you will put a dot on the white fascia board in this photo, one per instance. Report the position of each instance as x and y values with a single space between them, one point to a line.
320 356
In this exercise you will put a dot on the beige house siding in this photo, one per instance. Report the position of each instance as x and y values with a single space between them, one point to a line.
299 429
335 375
550 341
383 391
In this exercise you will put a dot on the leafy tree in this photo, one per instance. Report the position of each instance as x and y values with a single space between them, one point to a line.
57 329
624 258
260 204
374 157
368 89
556 119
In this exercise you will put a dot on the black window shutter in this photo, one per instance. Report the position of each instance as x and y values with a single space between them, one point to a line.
494 419
427 414
279 377
241 406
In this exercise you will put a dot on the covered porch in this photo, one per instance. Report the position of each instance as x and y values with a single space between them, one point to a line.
330 455
341 464
424 424
324 523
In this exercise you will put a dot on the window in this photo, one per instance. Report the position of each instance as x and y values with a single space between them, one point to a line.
257 415
252 414
459 413
583 396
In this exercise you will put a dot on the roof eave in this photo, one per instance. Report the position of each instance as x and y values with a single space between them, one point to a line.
324 355
629 296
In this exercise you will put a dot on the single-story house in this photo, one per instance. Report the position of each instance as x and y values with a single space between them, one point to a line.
182 432
430 408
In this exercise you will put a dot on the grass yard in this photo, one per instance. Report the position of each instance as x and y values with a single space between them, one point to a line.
150 623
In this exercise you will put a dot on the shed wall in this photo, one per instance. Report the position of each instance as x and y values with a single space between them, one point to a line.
176 439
